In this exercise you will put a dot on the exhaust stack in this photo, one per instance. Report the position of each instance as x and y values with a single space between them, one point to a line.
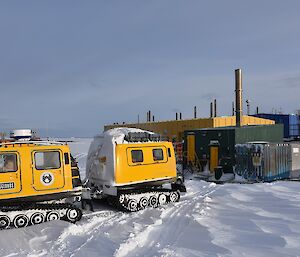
238 97
215 108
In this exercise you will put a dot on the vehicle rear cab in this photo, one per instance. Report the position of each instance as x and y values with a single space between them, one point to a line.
144 162
127 160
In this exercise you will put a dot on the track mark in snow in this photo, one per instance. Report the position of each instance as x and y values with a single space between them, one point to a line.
98 214
92 224
35 242
137 241
172 228
77 235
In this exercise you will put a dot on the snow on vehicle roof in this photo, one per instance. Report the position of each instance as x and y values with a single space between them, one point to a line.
118 135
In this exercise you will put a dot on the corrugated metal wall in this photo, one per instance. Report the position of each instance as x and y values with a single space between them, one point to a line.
174 129
268 162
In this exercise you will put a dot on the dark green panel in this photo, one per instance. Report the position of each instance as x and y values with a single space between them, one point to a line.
224 138
227 137
270 133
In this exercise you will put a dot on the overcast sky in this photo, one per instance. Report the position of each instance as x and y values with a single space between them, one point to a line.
69 67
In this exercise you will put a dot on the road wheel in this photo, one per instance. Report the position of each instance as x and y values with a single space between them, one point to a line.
52 215
21 221
143 203
174 196
162 199
132 205
37 218
73 214
153 201
4 222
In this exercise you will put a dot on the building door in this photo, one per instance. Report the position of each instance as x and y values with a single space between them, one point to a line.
191 153
214 157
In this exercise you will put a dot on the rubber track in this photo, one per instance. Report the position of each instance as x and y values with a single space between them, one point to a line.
135 192
42 206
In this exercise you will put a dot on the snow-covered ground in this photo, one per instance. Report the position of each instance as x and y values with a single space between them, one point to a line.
210 220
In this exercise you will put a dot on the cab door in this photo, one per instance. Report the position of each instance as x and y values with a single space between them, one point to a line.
48 170
10 173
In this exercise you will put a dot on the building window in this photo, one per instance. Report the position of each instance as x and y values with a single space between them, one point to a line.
137 156
8 163
158 154
47 160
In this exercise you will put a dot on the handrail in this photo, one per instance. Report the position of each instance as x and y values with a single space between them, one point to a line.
33 142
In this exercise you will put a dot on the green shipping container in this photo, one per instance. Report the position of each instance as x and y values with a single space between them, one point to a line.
227 137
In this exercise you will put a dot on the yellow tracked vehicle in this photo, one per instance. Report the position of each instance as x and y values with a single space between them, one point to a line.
133 168
39 181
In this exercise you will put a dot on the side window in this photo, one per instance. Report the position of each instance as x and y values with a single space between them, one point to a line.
158 154
67 160
8 163
137 156
47 160
169 152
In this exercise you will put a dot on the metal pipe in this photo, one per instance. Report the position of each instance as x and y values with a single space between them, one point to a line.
215 108
238 97
248 107
176 116
211 109
256 109
180 116
149 115
195 112
153 118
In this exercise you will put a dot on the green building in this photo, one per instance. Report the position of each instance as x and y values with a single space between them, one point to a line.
209 147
